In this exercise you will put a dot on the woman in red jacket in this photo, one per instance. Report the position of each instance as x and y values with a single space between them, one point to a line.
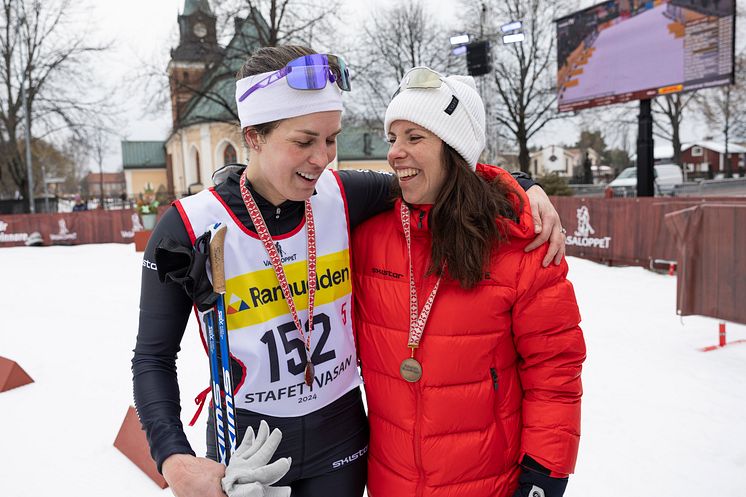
470 349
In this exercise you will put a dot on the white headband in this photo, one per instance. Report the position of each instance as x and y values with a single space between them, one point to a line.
279 101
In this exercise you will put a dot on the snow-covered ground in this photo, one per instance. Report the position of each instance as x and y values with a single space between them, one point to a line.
660 418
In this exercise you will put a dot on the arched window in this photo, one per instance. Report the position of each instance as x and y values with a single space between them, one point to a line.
197 175
229 154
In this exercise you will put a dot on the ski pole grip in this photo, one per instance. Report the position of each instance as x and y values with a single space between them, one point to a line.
217 257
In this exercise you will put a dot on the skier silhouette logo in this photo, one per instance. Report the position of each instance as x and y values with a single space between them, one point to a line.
63 234
63 227
279 250
584 223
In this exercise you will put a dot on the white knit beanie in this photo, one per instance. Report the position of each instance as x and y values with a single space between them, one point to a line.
454 112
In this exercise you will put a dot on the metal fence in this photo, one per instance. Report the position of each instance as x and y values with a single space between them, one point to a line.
732 187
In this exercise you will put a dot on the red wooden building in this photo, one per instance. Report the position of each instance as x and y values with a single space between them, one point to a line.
707 159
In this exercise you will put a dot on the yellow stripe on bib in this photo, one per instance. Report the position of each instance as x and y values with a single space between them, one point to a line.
256 297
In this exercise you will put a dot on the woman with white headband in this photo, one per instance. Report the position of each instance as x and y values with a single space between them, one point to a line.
282 210
471 352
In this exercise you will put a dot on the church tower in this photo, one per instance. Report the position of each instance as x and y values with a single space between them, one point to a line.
197 51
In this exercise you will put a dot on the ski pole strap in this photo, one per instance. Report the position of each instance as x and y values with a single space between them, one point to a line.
200 400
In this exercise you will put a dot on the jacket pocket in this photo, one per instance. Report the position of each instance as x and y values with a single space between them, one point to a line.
501 439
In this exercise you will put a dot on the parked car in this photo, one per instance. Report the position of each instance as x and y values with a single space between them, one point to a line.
666 177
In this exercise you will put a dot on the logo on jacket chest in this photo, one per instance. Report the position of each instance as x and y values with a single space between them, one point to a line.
387 273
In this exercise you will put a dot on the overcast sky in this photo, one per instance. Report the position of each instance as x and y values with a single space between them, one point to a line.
140 30
146 30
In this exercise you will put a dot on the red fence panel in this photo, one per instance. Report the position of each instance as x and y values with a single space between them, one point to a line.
625 231
72 228
712 262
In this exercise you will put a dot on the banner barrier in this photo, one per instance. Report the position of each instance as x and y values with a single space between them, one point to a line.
72 228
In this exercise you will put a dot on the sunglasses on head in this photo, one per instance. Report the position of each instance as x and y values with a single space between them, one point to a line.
309 72
423 78
419 78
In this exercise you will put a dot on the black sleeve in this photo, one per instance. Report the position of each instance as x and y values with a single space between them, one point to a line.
164 312
368 193
523 179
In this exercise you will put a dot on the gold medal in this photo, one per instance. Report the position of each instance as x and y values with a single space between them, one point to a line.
309 373
411 370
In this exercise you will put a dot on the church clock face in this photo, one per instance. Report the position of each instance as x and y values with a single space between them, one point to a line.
199 30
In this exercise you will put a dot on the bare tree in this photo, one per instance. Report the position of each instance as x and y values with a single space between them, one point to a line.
670 108
393 41
521 90
63 165
43 52
618 123
99 144
278 22
77 151
247 25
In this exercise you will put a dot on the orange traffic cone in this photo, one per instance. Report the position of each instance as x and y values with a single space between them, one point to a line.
132 443
12 375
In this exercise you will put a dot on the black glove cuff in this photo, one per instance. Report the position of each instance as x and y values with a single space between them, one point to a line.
533 475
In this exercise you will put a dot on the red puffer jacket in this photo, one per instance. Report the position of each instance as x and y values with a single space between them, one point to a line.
501 364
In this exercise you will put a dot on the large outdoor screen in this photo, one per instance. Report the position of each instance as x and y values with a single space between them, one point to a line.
625 50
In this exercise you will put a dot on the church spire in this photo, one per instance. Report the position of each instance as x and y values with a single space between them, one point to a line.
198 50
192 6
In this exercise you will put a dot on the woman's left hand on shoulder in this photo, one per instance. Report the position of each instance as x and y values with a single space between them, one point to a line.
547 226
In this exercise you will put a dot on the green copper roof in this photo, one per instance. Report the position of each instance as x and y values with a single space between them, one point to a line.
192 6
219 84
216 105
145 154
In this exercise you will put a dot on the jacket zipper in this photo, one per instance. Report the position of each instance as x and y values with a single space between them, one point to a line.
421 282
418 403
417 441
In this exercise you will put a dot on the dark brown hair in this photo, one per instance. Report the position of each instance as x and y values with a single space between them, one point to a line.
469 220
268 59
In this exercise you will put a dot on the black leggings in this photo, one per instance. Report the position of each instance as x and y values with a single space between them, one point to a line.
349 481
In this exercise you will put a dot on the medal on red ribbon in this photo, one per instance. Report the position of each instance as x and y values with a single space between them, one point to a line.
275 259
411 369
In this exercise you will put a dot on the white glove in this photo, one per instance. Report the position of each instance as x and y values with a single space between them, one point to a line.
248 474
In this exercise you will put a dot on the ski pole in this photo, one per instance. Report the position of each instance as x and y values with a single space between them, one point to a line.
209 318
202 246
217 260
